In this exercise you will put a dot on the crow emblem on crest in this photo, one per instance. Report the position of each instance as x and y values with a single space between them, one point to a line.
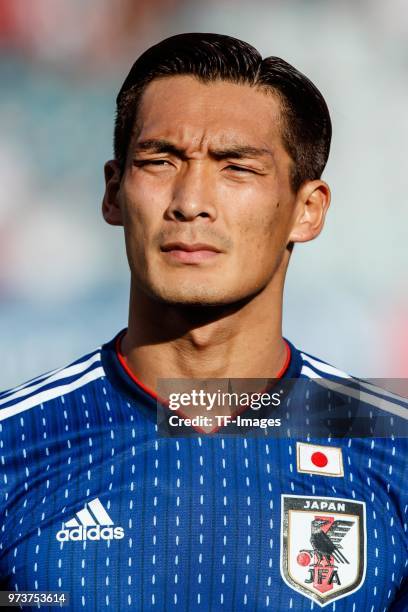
326 542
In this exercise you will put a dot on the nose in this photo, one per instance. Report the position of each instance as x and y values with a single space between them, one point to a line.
193 194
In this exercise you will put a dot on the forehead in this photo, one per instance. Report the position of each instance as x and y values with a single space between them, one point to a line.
218 113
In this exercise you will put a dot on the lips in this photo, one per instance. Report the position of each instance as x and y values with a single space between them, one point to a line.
182 246
190 253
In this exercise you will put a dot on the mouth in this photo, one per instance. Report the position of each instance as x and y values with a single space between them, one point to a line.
190 253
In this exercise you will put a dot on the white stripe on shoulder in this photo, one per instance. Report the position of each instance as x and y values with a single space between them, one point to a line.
324 367
50 394
379 402
27 383
328 369
39 378
55 375
306 371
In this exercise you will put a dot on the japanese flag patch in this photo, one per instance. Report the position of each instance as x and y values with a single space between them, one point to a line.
316 459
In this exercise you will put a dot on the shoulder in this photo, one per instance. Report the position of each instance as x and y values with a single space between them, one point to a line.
377 399
50 386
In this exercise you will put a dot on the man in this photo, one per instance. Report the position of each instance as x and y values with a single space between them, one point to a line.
217 174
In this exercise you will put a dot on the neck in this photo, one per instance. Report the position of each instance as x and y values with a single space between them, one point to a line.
243 340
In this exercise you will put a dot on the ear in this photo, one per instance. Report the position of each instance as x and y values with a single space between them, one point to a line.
110 204
312 203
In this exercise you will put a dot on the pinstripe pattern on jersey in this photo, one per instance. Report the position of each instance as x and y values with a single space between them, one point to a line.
201 515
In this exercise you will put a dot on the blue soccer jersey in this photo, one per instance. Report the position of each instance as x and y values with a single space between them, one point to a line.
96 503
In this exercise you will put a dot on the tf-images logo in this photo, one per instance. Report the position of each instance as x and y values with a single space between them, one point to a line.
91 523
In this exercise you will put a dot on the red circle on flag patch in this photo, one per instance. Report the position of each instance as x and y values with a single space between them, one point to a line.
319 459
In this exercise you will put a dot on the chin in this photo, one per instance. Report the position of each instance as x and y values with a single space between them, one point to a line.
192 299
197 296
183 294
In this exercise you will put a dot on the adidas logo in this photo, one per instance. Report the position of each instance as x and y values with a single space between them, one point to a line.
91 523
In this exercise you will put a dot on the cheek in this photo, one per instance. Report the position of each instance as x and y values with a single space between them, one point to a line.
262 238
141 208
263 227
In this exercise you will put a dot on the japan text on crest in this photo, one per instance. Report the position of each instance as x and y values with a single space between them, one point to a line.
323 546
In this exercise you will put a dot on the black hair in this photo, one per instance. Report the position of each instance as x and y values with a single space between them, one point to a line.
306 125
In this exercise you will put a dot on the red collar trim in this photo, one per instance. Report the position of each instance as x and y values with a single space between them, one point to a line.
286 362
125 366
153 394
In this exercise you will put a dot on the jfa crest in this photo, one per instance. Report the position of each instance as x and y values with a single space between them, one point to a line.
323 546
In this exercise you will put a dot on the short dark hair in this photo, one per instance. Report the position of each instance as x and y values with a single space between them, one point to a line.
306 124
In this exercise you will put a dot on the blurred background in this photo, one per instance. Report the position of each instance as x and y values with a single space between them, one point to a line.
64 278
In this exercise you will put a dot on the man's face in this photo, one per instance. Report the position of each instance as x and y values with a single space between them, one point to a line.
205 198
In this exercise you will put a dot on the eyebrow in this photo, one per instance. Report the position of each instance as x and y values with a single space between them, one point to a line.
160 145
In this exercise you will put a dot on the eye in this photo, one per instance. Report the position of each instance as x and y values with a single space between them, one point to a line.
151 162
238 168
